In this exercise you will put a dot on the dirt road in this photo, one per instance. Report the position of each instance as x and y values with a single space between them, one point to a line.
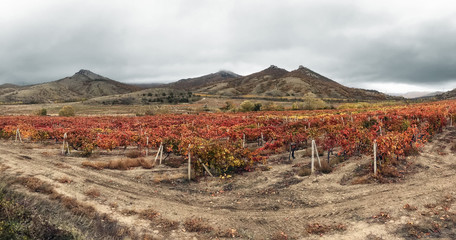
268 204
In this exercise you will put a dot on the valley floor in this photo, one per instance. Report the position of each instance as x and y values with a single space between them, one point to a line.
272 204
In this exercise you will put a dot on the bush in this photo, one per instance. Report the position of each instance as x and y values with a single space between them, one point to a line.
42 112
228 106
271 106
257 107
304 171
246 106
297 106
197 225
312 103
66 111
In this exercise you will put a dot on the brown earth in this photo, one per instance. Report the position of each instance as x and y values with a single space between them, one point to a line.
274 203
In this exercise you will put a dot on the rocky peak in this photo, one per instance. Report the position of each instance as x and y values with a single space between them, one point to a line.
308 72
88 74
226 73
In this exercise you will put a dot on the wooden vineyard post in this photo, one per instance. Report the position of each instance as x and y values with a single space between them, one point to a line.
18 134
381 134
161 153
147 146
375 157
205 168
312 163
262 139
189 163
243 140
65 145
316 152
289 155
158 153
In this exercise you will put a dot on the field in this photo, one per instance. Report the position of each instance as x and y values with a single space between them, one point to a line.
111 185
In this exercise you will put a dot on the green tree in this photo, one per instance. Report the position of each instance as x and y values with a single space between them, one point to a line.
66 111
42 112
246 106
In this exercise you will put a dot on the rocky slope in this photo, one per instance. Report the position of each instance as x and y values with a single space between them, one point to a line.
82 85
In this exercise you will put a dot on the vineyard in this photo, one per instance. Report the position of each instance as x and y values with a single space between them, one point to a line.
233 142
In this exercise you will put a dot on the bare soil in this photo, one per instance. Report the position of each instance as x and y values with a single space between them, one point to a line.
272 202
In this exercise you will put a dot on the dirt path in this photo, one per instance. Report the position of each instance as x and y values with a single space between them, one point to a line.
255 205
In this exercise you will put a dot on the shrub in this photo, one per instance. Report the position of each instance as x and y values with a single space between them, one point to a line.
42 112
271 106
66 111
120 164
228 106
197 225
257 107
246 106
149 214
325 167
133 154
297 106
92 193
304 171
312 103
36 185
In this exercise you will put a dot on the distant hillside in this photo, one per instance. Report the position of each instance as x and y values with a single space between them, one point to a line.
147 97
278 82
411 95
8 88
82 85
442 96
206 80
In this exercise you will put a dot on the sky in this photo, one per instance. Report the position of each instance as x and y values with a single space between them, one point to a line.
389 46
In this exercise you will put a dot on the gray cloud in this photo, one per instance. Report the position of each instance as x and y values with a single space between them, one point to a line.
358 43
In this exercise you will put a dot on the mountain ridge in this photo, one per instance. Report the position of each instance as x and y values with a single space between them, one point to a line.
277 82
84 84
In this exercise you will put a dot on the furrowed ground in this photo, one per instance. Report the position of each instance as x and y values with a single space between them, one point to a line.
271 202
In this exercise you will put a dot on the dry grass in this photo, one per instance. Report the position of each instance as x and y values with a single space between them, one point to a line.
197 225
92 193
149 214
165 224
74 206
36 185
113 205
227 233
61 165
382 217
133 154
119 164
64 179
409 207
129 212
3 167
279 236
320 229
304 171
325 167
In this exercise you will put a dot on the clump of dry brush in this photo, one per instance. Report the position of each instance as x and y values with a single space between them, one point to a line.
120 164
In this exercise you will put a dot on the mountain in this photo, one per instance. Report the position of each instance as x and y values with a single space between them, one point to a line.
82 85
278 82
199 82
442 96
411 95
8 85
8 88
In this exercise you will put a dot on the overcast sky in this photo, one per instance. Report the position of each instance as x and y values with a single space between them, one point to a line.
390 46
